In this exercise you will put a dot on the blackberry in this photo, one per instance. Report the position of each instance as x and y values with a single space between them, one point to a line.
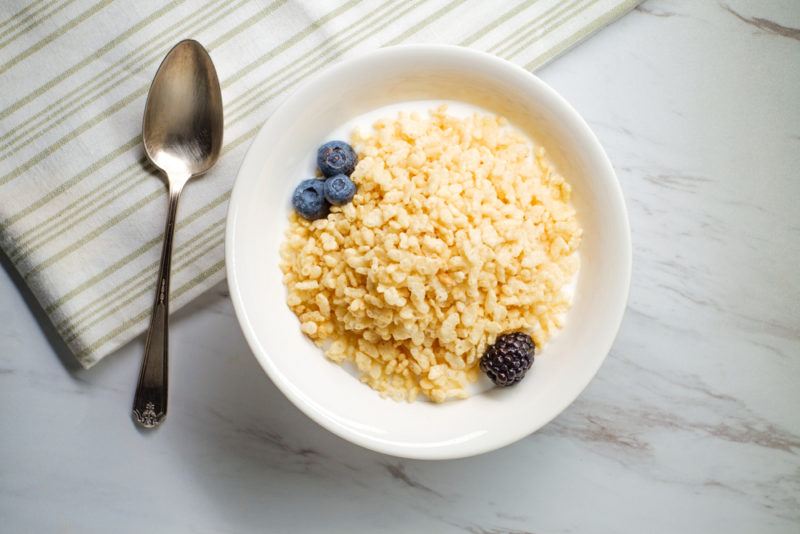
507 361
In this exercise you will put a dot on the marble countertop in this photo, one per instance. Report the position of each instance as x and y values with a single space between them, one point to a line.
692 424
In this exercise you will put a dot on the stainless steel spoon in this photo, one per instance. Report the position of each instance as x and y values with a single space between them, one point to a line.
182 134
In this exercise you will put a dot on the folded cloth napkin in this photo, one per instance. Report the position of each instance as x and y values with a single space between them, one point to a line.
81 211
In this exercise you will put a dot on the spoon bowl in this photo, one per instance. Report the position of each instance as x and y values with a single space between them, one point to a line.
182 127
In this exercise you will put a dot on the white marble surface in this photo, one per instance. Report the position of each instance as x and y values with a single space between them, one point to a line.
692 425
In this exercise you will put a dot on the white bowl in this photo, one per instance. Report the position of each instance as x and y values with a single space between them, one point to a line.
283 153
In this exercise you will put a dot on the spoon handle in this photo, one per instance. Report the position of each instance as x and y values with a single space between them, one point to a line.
150 401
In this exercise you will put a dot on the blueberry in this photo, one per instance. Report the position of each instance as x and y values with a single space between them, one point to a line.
309 201
339 189
336 157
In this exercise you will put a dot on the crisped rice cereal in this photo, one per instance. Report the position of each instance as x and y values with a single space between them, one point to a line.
460 230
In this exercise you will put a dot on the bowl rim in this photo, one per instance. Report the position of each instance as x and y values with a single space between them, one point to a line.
252 158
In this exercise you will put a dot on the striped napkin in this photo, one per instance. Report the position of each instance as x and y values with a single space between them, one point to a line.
81 211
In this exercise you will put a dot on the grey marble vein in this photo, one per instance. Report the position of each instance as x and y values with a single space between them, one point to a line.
398 472
769 26
645 8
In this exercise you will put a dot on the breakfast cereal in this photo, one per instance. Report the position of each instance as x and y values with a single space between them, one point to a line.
460 230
